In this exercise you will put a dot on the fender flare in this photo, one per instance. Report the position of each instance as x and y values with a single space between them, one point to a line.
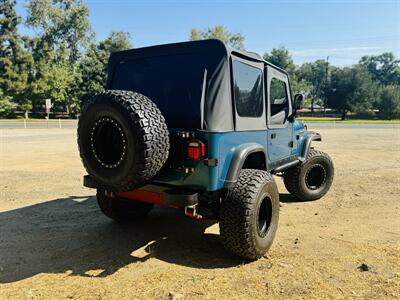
239 156
314 136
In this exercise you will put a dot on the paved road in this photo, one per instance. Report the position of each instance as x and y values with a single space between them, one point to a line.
327 125
39 124
73 124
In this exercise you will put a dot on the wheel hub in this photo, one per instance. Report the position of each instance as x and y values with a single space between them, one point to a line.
315 177
108 142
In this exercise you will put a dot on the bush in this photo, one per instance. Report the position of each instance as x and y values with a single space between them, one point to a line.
5 106
389 102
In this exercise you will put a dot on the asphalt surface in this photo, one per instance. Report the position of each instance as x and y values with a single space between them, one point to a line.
334 125
38 124
73 124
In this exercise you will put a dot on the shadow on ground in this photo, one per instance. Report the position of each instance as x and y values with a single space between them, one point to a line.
71 235
288 198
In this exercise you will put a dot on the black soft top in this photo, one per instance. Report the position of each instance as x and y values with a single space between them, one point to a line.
190 82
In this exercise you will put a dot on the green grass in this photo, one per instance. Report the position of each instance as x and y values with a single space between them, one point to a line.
330 119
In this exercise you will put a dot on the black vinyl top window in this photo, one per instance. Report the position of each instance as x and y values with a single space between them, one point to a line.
173 82
278 97
248 89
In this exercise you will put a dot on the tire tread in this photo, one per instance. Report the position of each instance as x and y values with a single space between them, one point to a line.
149 125
291 177
236 212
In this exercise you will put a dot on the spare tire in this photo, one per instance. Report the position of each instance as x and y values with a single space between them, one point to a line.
123 139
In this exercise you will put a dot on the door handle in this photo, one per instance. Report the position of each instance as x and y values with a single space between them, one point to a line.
273 135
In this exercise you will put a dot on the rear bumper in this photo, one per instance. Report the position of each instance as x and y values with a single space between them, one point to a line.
165 197
154 193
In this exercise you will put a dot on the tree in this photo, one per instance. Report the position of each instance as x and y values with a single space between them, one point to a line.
53 82
5 105
26 106
384 68
281 58
299 85
351 89
389 101
15 60
64 31
235 40
315 74
61 24
93 67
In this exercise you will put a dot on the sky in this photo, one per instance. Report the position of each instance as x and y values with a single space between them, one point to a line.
342 30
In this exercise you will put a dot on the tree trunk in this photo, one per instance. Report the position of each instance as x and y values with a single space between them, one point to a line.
26 114
344 115
312 105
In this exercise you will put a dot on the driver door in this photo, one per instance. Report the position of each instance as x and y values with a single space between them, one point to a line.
279 109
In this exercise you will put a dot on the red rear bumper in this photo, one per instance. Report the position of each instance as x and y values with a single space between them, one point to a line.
143 196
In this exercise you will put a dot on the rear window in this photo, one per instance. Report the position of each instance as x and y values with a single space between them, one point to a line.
173 82
248 89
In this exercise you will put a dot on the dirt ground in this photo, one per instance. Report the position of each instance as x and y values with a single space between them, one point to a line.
55 243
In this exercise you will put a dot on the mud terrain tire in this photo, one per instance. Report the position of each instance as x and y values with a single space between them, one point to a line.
123 139
249 215
311 179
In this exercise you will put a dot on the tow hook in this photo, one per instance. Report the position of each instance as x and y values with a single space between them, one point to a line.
191 211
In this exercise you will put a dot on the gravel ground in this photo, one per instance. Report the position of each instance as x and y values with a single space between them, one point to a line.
55 243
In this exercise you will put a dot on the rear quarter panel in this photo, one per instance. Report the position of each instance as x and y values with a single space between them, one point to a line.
220 146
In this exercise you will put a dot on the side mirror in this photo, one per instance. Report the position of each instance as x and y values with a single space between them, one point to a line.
298 102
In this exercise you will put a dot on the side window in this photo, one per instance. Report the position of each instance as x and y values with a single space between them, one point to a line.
248 89
279 100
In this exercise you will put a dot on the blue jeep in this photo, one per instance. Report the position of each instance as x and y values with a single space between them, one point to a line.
200 127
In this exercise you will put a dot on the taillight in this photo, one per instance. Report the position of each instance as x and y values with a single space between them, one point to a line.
196 150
